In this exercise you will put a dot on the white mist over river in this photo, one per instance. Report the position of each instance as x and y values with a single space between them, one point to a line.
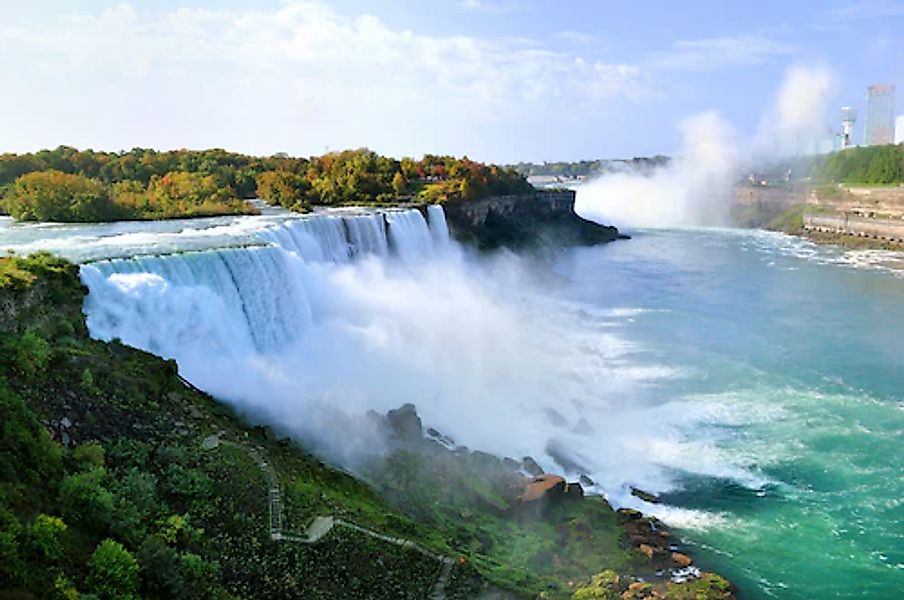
752 379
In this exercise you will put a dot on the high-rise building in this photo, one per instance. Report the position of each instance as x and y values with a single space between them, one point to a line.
899 130
880 115
848 118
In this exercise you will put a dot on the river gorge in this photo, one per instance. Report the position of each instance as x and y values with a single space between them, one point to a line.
748 380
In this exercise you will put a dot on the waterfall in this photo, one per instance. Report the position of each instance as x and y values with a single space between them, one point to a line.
410 236
436 219
224 299
253 297
341 238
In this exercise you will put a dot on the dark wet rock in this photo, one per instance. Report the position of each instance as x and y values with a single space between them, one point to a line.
511 464
440 437
630 513
586 481
645 496
405 423
574 491
531 467
535 219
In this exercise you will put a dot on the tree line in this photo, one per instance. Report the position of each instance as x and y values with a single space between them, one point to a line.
68 185
875 165
587 168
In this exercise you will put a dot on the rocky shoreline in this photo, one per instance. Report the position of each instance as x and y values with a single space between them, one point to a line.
660 566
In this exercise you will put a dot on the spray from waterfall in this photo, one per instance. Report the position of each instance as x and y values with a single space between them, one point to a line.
696 187
339 315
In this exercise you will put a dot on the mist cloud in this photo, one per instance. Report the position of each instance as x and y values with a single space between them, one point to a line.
696 187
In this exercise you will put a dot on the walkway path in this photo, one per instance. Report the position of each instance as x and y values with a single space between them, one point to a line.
321 526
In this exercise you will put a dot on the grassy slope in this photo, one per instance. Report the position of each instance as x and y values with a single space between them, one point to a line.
150 427
123 459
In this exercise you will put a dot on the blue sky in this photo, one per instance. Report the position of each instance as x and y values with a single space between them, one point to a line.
499 80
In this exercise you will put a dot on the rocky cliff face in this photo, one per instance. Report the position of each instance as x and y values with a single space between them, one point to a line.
542 218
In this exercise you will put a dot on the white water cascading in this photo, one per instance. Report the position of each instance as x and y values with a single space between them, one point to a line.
256 294
340 314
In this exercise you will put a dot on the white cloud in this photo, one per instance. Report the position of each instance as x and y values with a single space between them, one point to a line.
709 54
294 76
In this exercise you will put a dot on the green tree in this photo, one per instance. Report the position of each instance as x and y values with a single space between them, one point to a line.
161 574
85 500
57 196
112 572
284 188
27 454
399 185
42 543
136 504
11 566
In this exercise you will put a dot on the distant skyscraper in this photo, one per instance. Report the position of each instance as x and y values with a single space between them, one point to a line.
899 130
848 118
880 115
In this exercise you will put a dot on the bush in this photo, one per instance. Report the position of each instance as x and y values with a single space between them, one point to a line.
135 505
41 541
89 455
161 576
113 572
57 196
28 355
85 500
27 454
10 560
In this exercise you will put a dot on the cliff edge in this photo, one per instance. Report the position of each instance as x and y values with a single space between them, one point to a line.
541 218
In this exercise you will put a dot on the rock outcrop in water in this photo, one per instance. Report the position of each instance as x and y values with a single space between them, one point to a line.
542 218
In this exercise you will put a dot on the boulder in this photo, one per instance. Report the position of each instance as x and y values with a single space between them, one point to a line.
630 513
645 496
405 423
682 560
531 467
543 487
574 491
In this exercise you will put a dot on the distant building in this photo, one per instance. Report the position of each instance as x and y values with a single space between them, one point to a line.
880 111
899 130
848 118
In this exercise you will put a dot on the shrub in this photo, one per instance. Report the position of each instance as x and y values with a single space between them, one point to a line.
161 576
85 500
10 560
89 455
28 355
113 572
135 505
27 454
42 541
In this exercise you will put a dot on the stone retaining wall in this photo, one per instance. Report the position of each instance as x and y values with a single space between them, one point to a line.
880 229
